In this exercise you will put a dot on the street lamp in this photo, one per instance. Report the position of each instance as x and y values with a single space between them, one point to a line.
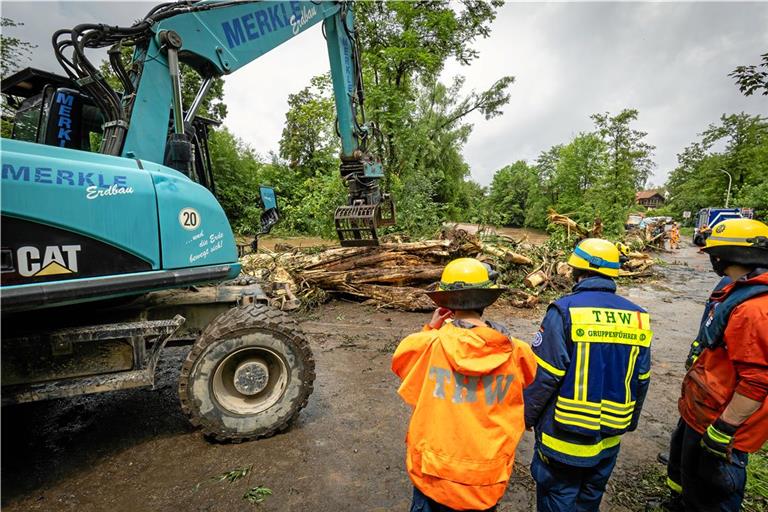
730 180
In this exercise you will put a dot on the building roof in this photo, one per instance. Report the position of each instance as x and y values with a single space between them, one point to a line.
647 194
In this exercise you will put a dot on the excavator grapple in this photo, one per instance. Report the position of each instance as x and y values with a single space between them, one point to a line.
356 224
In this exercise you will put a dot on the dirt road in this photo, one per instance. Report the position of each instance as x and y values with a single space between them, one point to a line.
134 451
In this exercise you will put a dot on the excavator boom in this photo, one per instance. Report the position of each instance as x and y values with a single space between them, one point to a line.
217 38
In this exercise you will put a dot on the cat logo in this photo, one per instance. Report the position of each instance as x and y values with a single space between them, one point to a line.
55 260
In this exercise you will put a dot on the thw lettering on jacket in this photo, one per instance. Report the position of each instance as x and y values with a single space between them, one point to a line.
465 387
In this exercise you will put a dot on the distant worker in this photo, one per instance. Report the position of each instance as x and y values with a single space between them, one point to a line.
464 378
674 237
705 231
723 406
593 352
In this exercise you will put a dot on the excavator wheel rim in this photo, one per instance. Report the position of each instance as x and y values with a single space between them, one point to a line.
225 389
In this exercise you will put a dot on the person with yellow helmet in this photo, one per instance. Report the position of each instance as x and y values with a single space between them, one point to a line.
594 366
724 401
464 377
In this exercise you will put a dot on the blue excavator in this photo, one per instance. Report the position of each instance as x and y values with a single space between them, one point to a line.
113 243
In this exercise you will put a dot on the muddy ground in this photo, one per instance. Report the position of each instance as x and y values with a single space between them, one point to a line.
134 451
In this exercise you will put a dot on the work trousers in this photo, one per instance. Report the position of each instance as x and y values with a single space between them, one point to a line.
708 483
564 488
423 503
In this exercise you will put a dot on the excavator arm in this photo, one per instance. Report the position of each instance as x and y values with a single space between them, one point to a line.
217 38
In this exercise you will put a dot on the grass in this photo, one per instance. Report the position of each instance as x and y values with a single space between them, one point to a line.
253 495
644 488
756 497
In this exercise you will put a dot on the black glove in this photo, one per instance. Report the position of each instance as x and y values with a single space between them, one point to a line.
718 439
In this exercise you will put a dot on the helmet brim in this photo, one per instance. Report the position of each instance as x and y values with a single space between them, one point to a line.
471 298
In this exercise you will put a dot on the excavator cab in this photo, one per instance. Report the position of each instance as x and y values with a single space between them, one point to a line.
50 110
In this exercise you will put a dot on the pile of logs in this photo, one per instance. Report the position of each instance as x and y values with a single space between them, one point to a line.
390 275
396 274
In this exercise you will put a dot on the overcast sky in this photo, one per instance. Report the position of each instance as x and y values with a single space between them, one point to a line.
668 60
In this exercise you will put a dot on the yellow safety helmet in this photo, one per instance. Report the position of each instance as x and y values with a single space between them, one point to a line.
739 241
596 255
465 284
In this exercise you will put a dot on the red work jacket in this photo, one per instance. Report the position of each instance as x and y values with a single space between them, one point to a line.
739 365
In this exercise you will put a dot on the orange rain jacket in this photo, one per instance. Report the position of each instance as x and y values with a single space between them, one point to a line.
466 386
739 365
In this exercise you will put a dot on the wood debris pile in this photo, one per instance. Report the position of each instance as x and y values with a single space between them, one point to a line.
396 274
390 275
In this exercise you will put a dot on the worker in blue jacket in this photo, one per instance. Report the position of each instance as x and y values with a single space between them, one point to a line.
594 365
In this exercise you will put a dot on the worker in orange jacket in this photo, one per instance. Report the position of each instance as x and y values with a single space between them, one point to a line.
724 400
464 378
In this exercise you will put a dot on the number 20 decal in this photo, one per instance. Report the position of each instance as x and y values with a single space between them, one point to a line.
189 219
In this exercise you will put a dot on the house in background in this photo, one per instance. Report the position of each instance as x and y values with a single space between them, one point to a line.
649 198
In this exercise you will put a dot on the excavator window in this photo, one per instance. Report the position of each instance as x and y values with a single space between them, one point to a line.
59 117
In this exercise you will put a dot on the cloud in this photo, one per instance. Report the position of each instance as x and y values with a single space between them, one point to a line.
668 60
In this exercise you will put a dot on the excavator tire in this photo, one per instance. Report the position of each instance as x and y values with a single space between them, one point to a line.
248 374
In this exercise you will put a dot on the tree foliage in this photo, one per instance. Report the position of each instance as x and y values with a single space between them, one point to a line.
738 145
422 122
14 52
594 176
753 78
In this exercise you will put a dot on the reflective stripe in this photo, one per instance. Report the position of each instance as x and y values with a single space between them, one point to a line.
738 240
551 369
606 325
585 381
615 423
645 376
578 421
594 407
579 450
674 486
633 353
591 415
578 408
582 369
616 407
577 378
718 436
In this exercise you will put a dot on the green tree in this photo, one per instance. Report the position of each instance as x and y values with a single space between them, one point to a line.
630 164
237 170
14 52
422 124
753 78
309 141
738 144
544 194
509 193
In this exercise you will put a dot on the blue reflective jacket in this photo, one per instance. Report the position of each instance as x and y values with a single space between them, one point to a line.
594 362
